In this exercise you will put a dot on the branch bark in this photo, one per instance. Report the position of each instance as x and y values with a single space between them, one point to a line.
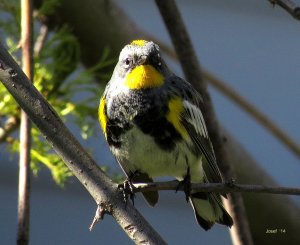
229 187
289 6
101 188
240 232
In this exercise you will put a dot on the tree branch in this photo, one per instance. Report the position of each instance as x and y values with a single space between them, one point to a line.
240 232
289 6
229 187
101 188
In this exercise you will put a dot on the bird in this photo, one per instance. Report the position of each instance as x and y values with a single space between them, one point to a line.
153 124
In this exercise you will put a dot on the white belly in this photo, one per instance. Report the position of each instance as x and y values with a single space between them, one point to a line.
139 152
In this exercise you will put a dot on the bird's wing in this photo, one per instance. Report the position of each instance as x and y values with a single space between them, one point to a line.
193 121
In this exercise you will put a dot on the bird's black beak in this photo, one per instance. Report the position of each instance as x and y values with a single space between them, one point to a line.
142 60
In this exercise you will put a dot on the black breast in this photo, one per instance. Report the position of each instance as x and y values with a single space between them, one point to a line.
145 110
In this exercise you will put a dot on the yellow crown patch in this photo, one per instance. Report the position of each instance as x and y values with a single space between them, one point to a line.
138 42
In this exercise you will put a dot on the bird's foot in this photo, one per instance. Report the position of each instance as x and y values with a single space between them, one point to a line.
185 185
127 189
230 182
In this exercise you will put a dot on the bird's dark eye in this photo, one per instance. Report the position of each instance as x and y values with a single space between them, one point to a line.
127 62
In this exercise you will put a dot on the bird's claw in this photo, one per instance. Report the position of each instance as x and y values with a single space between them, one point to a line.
127 189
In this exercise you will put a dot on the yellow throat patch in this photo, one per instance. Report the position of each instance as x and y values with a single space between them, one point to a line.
102 116
175 110
144 76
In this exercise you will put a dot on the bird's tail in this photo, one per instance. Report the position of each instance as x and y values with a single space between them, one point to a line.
208 209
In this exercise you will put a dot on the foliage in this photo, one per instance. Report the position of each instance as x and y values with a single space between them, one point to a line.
59 76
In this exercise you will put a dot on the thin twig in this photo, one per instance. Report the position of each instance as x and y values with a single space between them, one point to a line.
39 43
289 6
10 125
240 232
100 212
25 128
13 122
233 95
217 187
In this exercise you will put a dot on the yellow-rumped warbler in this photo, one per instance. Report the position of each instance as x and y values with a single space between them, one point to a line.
152 121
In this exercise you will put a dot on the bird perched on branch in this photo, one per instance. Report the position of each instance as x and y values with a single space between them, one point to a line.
154 126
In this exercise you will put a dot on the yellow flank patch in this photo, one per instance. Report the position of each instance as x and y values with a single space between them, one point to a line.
138 42
144 76
102 116
175 110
